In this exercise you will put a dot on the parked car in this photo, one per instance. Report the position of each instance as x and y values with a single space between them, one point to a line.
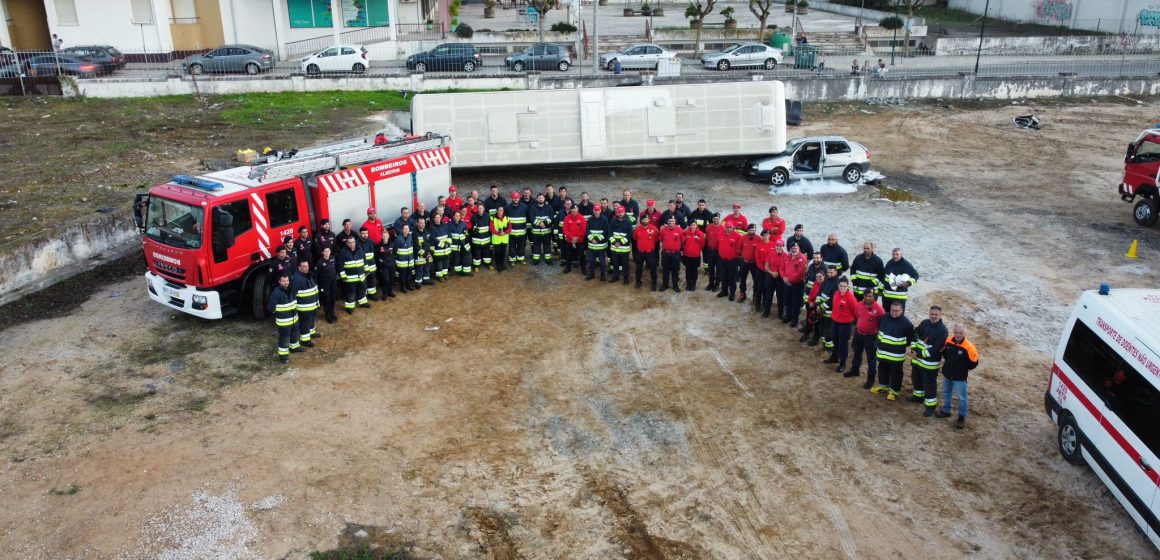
7 56
448 56
230 58
339 58
743 55
62 65
641 55
109 58
805 158
541 56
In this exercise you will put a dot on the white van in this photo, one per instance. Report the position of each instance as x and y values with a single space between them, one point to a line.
1104 393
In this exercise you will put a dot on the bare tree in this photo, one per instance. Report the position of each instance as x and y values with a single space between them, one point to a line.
696 12
761 9
910 5
542 7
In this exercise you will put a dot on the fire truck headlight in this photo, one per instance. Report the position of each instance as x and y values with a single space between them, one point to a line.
200 302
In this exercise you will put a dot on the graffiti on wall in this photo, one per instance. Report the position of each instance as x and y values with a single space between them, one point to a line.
1052 12
1149 18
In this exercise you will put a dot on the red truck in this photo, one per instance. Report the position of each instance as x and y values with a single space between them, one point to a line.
1142 176
208 239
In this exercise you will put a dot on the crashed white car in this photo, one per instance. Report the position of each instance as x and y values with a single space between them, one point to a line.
812 157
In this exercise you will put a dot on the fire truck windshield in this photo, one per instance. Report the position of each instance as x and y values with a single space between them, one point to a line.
175 223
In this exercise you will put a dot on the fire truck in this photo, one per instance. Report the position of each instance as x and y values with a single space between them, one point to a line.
1142 176
208 239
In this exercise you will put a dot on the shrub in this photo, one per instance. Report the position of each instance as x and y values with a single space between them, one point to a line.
563 27
892 22
464 31
803 4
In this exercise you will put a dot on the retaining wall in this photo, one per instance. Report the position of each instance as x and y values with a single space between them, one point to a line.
1064 45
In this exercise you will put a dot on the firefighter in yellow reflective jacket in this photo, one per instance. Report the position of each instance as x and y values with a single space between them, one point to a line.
405 259
895 334
352 274
370 269
501 229
305 290
284 308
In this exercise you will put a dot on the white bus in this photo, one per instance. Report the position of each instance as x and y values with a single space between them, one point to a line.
1104 394
606 125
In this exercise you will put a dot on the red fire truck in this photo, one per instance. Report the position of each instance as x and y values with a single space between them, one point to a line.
1142 176
208 239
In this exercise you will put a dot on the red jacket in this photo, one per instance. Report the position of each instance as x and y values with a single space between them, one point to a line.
740 223
730 247
776 228
793 270
761 250
842 306
374 230
454 203
694 241
748 247
774 260
868 318
713 235
654 217
646 236
814 291
575 228
671 239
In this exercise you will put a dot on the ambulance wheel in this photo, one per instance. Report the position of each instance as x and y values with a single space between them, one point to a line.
779 177
1147 212
259 295
1069 440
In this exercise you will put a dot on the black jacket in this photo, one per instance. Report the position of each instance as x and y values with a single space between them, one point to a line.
959 358
804 246
835 255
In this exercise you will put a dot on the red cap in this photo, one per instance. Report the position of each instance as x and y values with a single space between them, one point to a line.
371 210
452 188
515 195
651 202
736 206
597 209
619 209
779 243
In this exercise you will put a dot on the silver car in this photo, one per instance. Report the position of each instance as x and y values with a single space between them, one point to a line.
230 58
640 55
743 55
812 157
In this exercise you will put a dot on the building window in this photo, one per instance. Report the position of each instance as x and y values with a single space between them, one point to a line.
142 12
309 13
364 13
66 12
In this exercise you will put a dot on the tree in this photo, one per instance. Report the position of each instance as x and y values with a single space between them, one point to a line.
910 5
761 9
696 12
542 7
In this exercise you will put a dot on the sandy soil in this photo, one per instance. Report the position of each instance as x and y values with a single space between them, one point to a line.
554 418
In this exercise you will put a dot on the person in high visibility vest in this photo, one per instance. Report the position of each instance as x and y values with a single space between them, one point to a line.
540 218
480 237
620 243
352 273
895 334
305 292
370 269
284 308
517 213
460 249
929 339
405 259
898 277
597 234
501 229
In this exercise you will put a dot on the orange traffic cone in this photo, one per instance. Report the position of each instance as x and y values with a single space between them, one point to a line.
1131 254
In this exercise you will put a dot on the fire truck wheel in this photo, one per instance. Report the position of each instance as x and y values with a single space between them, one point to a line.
259 294
1069 440
1147 212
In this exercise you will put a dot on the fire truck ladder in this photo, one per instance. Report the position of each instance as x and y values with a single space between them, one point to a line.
332 157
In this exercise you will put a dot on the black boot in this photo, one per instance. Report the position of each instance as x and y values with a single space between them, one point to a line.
602 275
813 341
615 278
869 383
664 286
851 373
793 323
624 280
589 276
722 293
676 289
804 337
567 268
638 284
831 360
841 367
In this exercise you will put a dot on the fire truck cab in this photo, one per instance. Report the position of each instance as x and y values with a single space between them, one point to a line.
209 239
1141 177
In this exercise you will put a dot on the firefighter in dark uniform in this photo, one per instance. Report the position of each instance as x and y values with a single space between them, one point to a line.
326 275
370 269
423 256
347 231
441 249
305 291
866 272
540 221
597 236
895 335
352 271
619 244
280 264
284 308
323 239
895 268
480 237
494 201
304 246
833 254
460 248
385 263
517 212
405 259
929 339
631 207
825 310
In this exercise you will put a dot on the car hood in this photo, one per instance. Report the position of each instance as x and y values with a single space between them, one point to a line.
714 56
771 162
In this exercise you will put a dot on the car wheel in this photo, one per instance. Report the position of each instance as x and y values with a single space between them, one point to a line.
358 68
1070 446
779 177
469 66
723 65
196 69
252 69
420 66
518 66
770 63
563 66
611 63
1146 212
313 70
852 174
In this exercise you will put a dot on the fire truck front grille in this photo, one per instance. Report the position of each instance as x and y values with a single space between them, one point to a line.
170 270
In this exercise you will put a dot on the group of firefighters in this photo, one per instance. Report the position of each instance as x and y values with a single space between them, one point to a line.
786 273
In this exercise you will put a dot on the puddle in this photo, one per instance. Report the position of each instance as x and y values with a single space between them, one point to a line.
897 195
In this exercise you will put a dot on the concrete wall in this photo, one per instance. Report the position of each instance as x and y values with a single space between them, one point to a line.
869 16
1115 16
110 22
1064 45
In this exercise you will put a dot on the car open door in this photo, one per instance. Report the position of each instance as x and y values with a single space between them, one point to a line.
1142 162
808 160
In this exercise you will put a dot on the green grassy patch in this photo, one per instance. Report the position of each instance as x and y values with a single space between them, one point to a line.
361 553
71 490
275 109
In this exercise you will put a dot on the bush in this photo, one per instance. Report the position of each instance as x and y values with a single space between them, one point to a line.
563 27
803 4
464 31
892 22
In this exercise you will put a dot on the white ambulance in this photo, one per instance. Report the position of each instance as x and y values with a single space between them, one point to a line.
1104 393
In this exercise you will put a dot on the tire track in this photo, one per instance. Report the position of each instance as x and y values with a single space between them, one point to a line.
844 535
725 367
636 355
989 548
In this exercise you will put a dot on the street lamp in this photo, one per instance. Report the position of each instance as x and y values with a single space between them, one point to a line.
982 29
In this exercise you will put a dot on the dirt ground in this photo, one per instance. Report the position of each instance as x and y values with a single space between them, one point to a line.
549 417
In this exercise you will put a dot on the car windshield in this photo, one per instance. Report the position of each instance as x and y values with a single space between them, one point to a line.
174 223
791 145
730 48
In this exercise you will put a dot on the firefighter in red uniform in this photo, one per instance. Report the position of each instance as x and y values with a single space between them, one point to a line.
739 222
575 229
748 264
713 234
761 251
775 224
866 315
651 212
453 201
694 244
728 259
374 226
671 241
645 238
774 264
842 322
793 276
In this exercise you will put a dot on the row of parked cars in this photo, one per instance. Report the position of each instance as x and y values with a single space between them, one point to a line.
87 61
